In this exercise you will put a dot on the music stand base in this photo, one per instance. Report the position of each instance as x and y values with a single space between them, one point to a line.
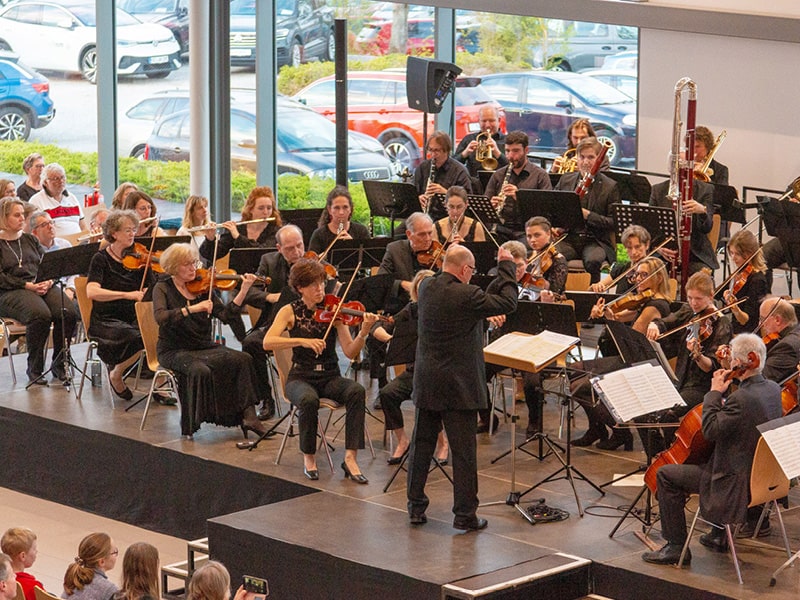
647 522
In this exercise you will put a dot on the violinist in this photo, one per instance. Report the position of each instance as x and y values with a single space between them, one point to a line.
592 245
447 172
315 366
260 204
651 279
217 384
113 290
750 282
636 240
773 252
276 266
195 214
402 257
145 208
696 352
36 305
547 267
337 214
457 226
781 334
723 482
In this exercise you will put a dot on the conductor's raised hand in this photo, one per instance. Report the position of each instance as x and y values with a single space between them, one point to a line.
504 254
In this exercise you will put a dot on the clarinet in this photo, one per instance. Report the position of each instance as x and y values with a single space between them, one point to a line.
431 178
502 195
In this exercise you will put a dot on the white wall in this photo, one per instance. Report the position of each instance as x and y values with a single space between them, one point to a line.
784 8
748 87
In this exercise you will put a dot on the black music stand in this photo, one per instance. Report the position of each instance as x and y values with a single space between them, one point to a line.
782 220
307 219
482 209
346 254
373 292
246 260
632 186
584 301
561 208
730 209
659 221
163 241
485 254
56 265
391 199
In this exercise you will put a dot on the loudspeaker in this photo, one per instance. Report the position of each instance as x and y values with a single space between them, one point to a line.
428 82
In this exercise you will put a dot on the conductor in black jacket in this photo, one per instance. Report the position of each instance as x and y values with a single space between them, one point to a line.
449 376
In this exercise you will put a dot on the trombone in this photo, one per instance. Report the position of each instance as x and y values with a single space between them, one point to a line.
214 226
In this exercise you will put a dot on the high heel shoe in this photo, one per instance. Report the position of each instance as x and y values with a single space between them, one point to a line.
619 437
125 394
396 460
312 474
356 478
594 433
258 430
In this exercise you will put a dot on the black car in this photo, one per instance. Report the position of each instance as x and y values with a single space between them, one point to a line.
303 30
172 14
306 143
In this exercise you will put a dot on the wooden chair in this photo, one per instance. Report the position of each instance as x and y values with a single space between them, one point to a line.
713 235
149 330
9 327
768 483
20 592
578 281
43 595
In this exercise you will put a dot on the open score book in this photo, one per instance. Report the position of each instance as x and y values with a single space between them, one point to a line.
528 352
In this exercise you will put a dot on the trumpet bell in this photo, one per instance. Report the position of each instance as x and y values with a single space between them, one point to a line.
489 164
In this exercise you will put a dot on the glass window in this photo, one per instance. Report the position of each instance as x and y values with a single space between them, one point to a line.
321 94
171 128
541 91
503 88
627 33
147 109
53 16
364 91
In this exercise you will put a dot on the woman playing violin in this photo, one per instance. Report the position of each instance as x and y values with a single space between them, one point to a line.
750 282
547 268
260 204
114 289
145 208
315 366
636 240
338 213
220 381
466 228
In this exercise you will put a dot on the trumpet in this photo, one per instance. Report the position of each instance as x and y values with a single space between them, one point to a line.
214 226
704 172
566 163
793 192
483 154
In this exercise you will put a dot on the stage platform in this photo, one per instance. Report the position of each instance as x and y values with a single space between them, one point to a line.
354 541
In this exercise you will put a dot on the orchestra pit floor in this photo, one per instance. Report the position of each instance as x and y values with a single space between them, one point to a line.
586 536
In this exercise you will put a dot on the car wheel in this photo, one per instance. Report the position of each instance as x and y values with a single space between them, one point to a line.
158 74
330 47
14 124
295 54
138 152
88 64
4 46
558 63
403 152
604 136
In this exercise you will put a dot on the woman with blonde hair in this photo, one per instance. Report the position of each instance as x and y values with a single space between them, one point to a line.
121 194
195 214
750 282
139 573
86 578
213 582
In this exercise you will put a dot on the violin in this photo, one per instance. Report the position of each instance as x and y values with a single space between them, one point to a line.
631 301
349 313
433 257
740 280
789 396
137 256
771 337
702 330
330 270
226 279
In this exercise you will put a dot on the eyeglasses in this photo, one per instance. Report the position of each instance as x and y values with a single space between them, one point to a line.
46 224
128 230
471 267
62 178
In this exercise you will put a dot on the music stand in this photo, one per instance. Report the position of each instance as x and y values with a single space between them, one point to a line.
584 301
482 209
485 254
345 254
163 241
561 208
659 221
391 199
632 186
782 220
246 260
56 265
373 292
726 198
307 219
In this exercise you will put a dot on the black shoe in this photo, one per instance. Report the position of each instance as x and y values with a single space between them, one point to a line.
668 555
419 519
746 531
531 430
36 380
590 437
356 478
618 438
396 460
377 404
59 374
483 426
312 474
164 399
266 412
716 540
257 429
473 524
125 394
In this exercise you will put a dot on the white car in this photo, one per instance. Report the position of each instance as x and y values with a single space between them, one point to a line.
61 36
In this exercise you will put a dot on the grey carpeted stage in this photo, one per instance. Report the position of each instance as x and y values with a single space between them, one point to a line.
336 539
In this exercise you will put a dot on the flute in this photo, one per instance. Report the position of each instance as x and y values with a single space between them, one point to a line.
214 226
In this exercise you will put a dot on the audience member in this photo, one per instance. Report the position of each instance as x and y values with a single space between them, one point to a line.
32 165
86 578
19 543
139 573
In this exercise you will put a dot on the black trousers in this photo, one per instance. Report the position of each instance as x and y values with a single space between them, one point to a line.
392 395
253 345
675 483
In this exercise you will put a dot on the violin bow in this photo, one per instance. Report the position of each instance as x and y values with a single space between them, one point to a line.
768 315
485 228
344 294
633 288
213 271
339 234
736 272
538 255
627 271
701 318
150 254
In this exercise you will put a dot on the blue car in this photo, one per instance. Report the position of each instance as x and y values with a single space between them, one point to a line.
25 102
543 104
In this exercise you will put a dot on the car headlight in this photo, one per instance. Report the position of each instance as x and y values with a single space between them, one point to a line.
281 34
127 43
629 120
323 174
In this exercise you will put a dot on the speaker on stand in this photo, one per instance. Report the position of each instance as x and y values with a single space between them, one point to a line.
428 83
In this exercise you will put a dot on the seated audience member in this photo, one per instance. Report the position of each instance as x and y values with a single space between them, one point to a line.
139 573
7 189
8 579
86 577
121 194
19 543
58 202
32 165
212 582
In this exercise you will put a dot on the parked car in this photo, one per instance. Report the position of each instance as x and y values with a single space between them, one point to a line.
303 30
544 103
61 36
378 106
628 61
306 143
576 45
172 14
25 101
626 82
375 35
136 123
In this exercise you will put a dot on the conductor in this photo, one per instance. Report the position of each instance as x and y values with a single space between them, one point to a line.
449 376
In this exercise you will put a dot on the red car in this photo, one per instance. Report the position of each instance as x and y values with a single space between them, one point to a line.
374 38
378 106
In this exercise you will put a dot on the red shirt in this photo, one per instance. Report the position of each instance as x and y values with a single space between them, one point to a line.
28 582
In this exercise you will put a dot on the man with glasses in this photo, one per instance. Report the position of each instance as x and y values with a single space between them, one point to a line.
43 228
58 202
447 172
450 378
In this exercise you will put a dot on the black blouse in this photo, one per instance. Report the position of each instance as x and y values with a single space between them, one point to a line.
19 261
226 242
112 275
306 327
322 236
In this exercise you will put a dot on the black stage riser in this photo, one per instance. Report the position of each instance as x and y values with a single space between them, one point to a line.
127 480
623 584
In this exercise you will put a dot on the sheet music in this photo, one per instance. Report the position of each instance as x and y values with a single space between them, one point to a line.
637 391
535 350
785 445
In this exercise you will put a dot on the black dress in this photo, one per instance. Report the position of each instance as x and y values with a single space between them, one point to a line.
755 290
215 383
322 237
226 242
113 323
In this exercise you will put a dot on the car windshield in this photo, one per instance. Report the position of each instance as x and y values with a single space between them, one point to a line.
138 7
244 7
471 96
596 92
305 131
285 8
85 13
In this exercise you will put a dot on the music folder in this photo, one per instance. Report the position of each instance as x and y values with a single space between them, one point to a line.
638 390
783 438
527 352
